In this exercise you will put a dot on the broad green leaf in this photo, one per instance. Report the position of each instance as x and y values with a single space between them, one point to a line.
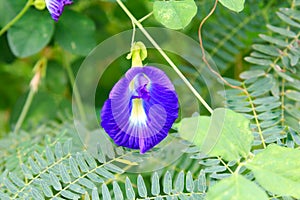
75 33
9 9
224 134
194 129
277 170
234 188
174 14
234 5
30 34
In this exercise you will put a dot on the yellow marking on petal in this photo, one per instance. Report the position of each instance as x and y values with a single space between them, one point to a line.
138 115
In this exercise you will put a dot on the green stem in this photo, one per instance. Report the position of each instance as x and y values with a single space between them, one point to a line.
145 17
67 65
24 110
164 55
16 18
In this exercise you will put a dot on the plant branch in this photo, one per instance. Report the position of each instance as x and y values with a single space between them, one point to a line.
145 17
225 165
39 72
17 17
164 55
255 116
203 50
24 110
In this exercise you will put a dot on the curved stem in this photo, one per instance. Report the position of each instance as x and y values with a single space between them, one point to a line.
203 50
17 17
164 55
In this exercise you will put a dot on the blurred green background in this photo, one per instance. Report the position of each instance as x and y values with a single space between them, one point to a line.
227 37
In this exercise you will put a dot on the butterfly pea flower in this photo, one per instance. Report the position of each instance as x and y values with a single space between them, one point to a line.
141 108
56 7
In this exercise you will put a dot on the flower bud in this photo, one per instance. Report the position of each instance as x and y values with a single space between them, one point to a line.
40 4
138 54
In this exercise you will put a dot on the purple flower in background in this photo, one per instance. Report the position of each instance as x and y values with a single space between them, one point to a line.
56 7
141 108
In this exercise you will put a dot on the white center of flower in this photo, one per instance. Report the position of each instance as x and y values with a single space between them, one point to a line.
138 115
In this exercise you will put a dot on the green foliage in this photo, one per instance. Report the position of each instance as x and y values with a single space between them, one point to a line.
174 14
26 38
227 39
70 36
10 8
235 5
264 99
60 173
224 134
275 175
236 187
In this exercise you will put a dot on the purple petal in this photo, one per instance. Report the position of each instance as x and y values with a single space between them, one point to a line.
141 109
56 7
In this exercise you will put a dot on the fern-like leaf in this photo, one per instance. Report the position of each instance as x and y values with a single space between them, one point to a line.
60 173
